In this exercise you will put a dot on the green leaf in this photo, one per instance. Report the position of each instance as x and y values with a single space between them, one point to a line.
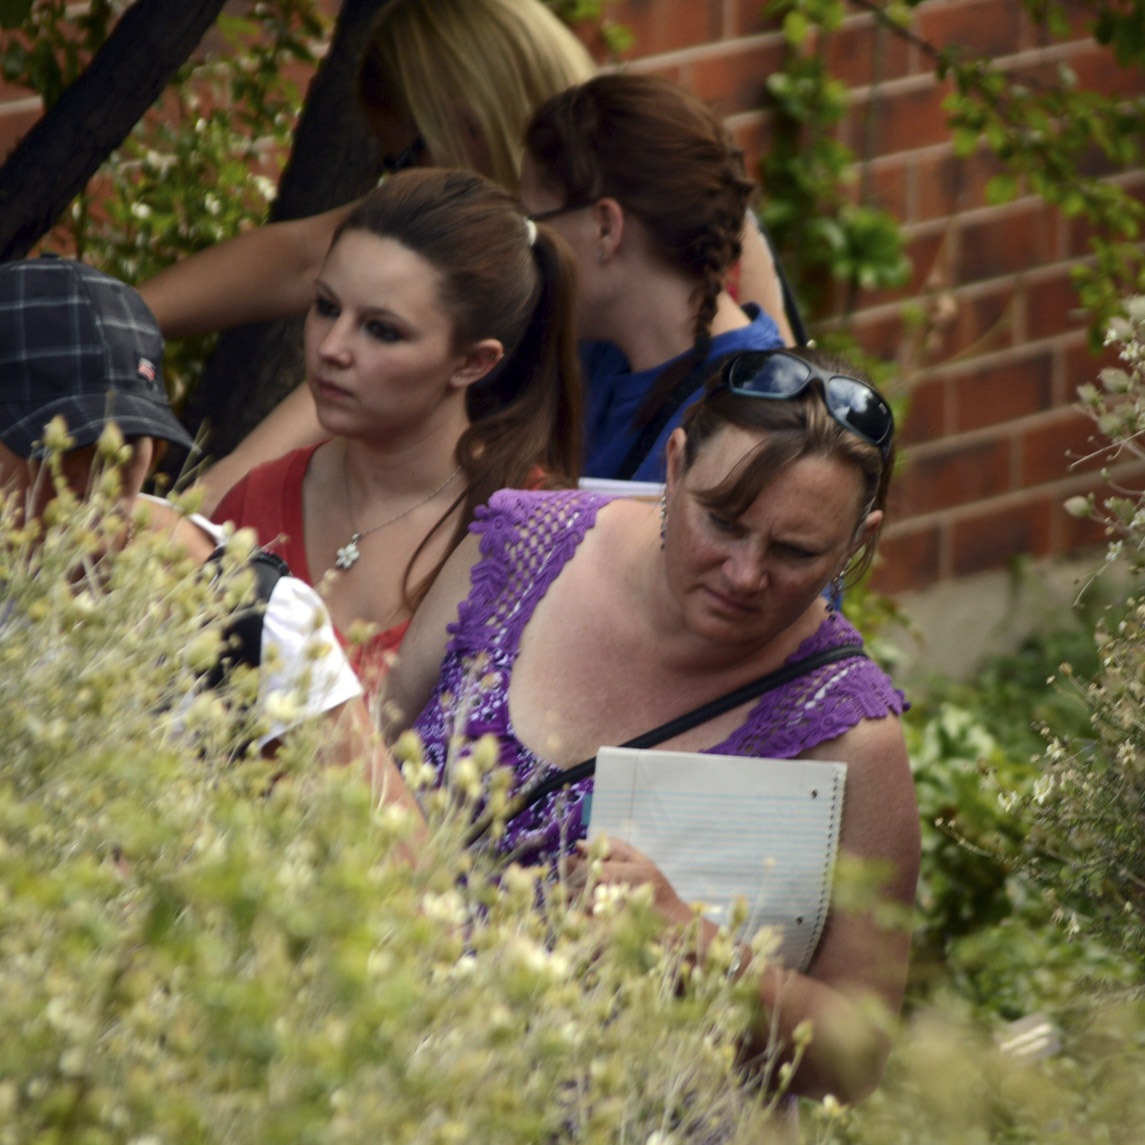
796 28
965 142
1001 189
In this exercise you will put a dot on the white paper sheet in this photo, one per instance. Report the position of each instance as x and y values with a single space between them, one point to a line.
636 490
720 827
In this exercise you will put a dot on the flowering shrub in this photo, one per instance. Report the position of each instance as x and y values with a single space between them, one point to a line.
1042 917
1089 809
200 945
952 1080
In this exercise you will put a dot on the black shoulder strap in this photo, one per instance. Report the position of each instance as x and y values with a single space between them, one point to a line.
649 433
694 718
790 305
242 637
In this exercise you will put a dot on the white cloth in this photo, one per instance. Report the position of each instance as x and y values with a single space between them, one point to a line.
303 671
302 662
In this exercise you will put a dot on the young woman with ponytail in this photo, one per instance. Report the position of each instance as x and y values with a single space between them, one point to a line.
441 356
650 192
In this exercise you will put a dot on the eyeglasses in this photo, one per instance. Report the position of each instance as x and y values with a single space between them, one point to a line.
854 404
542 216
408 158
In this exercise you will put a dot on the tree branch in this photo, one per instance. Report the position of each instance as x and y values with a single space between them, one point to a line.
57 157
334 160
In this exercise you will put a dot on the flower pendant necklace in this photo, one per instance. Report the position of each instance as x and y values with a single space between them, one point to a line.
349 553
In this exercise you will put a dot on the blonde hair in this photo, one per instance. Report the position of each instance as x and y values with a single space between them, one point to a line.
500 58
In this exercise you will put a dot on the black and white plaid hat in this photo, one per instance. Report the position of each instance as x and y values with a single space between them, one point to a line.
77 342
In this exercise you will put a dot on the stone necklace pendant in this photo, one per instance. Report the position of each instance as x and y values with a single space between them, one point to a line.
349 553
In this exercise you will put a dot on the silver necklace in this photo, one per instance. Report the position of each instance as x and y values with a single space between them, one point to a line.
349 553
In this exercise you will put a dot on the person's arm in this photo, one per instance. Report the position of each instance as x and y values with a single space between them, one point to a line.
353 739
759 281
261 274
853 989
292 424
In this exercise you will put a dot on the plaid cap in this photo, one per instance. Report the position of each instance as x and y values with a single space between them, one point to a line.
77 342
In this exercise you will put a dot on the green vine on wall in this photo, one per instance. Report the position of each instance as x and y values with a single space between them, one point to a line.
1049 136
825 231
616 38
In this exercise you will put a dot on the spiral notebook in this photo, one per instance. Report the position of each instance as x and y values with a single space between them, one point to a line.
720 827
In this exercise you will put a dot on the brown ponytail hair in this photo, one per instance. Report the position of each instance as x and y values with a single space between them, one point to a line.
502 277
666 158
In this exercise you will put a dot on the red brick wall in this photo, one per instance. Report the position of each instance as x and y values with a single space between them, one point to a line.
991 389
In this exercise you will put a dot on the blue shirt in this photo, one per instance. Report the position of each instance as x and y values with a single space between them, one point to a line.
615 394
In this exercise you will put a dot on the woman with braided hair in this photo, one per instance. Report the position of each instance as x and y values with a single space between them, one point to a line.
649 190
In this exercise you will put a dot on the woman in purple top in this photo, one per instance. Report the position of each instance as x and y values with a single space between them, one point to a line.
579 621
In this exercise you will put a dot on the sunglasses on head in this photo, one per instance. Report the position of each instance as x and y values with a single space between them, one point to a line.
406 159
855 405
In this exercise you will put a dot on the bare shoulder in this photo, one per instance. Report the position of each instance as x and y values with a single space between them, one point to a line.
876 744
617 520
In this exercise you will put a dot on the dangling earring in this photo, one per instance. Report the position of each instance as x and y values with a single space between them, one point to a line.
835 595
663 517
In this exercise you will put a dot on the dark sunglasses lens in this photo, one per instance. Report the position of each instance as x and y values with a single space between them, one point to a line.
770 375
860 408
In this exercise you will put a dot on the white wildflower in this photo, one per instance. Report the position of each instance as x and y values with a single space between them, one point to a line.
282 708
467 778
73 1062
607 899
832 1106
448 907
1043 786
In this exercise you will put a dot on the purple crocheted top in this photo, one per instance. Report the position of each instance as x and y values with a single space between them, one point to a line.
526 538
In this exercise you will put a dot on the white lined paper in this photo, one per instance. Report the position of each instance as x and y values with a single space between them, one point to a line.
720 827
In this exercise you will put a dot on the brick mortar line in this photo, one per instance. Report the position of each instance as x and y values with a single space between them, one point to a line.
970 291
1051 53
985 435
1063 487
1054 343
887 158
21 104
710 49
1014 206
715 48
